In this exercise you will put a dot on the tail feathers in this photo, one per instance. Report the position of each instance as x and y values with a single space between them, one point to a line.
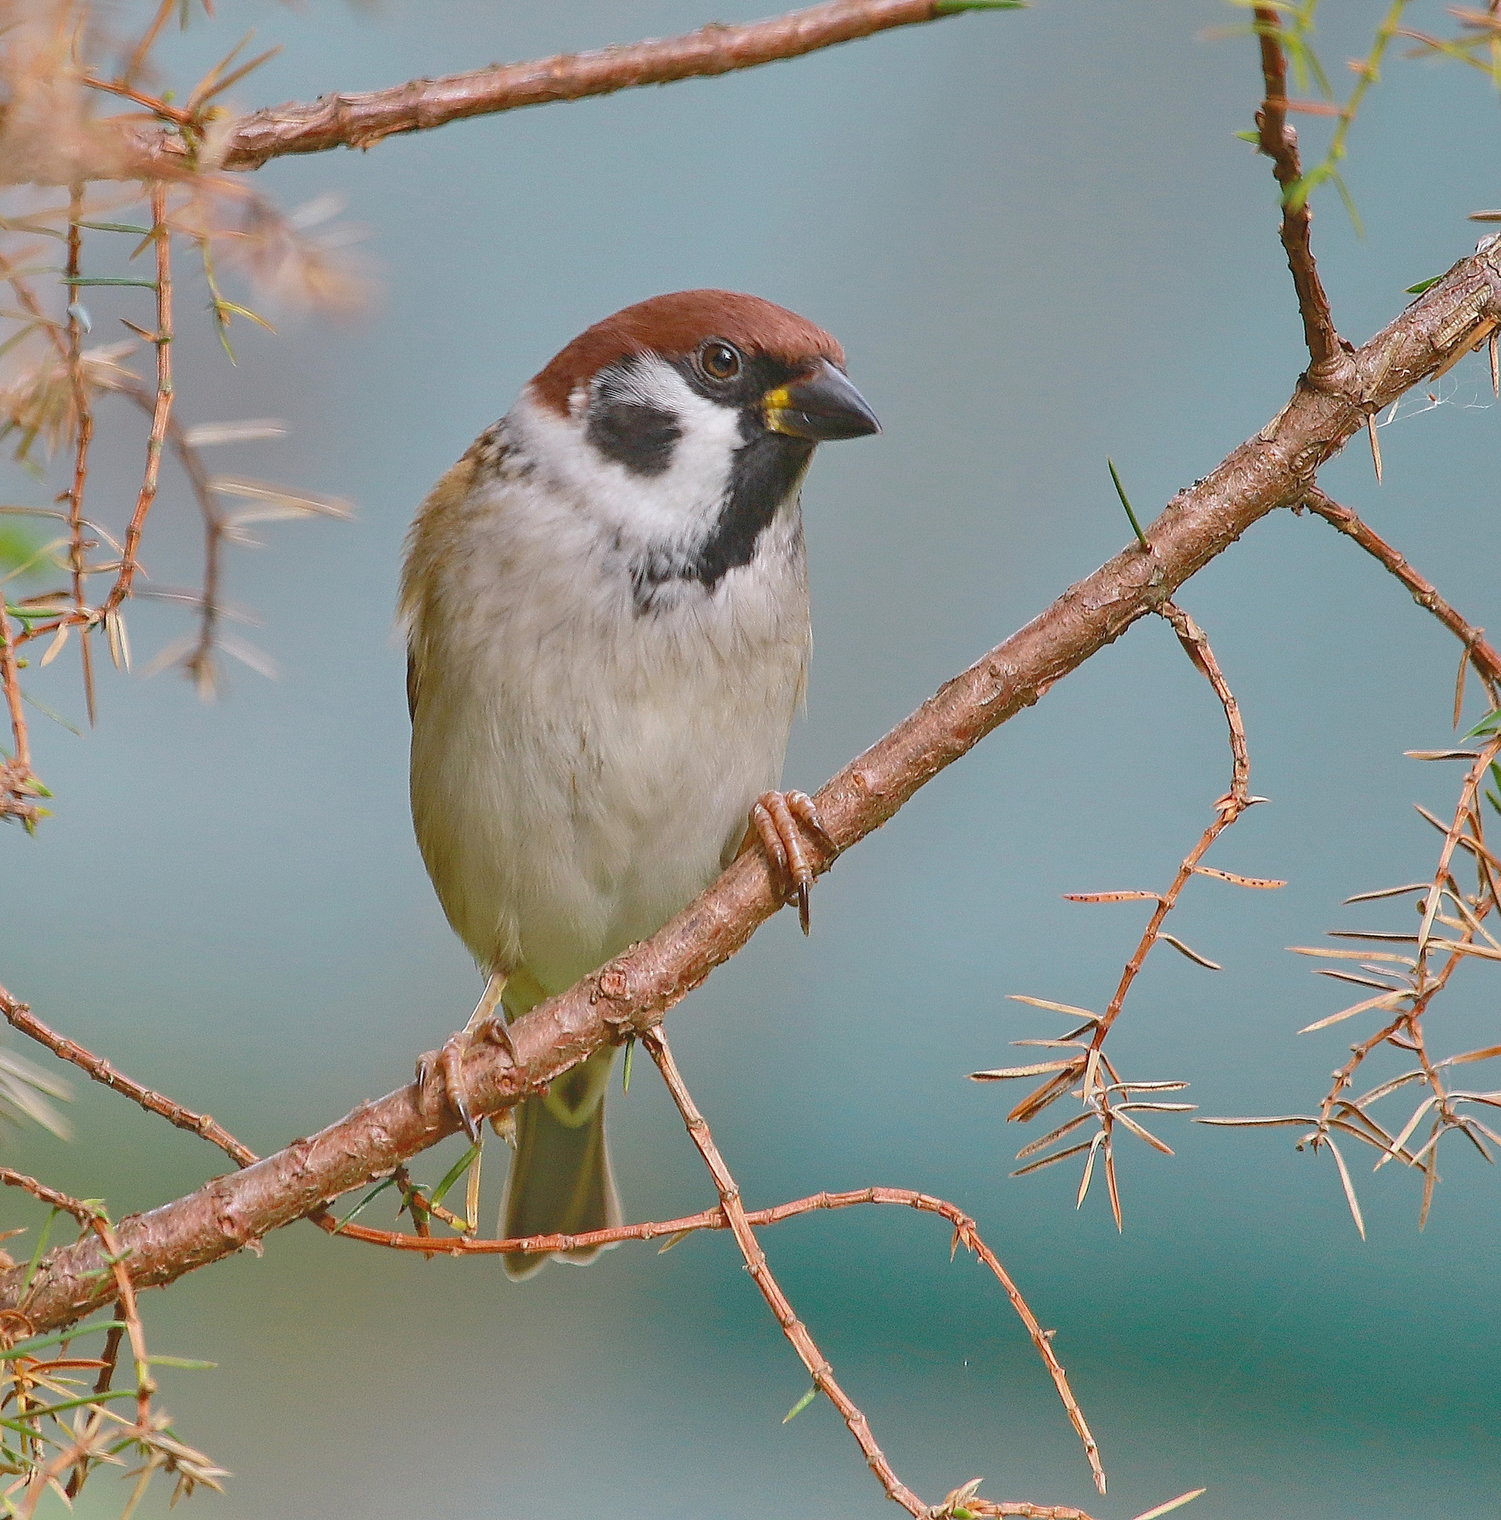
560 1181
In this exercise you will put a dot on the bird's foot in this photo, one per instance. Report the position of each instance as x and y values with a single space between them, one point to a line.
785 822
443 1069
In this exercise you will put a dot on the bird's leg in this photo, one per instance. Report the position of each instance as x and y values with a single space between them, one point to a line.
782 821
485 1009
446 1065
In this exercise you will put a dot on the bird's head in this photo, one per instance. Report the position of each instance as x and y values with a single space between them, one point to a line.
687 421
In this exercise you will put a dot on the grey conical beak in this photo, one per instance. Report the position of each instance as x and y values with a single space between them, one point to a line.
821 405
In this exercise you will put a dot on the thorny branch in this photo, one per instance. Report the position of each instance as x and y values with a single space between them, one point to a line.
161 413
100 1070
1100 1090
1399 968
18 786
1407 972
83 410
1406 984
630 995
67 379
1279 142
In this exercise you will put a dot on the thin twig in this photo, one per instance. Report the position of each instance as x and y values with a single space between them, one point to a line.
203 1125
109 1359
793 1328
966 1233
819 1370
162 411
1280 144
1482 654
18 790
83 436
51 1196
1227 810
198 661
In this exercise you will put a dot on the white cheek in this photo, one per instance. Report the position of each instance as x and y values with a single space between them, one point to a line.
675 506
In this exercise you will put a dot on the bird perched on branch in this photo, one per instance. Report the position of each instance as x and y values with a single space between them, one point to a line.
606 606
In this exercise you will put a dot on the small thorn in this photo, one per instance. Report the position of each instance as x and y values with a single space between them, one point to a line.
1495 363
1370 427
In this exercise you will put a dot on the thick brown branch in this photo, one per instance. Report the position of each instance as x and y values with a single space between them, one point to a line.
1280 144
361 121
629 996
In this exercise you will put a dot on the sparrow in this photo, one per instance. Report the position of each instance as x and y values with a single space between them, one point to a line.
606 609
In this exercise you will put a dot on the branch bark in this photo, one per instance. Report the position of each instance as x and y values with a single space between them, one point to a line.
630 995
361 121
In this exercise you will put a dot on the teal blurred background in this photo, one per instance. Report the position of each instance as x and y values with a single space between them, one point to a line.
1041 244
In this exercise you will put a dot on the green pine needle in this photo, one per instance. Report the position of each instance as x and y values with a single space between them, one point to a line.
1120 491
30 1348
453 1174
365 1202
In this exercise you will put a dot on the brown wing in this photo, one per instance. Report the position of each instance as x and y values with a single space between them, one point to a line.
431 538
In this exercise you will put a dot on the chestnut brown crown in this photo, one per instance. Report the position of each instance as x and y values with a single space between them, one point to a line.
673 326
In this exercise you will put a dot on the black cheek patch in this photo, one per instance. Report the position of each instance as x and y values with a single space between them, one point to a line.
765 473
633 434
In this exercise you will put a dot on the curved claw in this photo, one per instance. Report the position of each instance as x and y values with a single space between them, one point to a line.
445 1068
782 821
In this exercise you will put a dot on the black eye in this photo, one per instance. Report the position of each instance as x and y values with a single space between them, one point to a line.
719 360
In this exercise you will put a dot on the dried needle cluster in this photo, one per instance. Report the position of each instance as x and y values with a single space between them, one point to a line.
61 1416
1403 973
90 264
